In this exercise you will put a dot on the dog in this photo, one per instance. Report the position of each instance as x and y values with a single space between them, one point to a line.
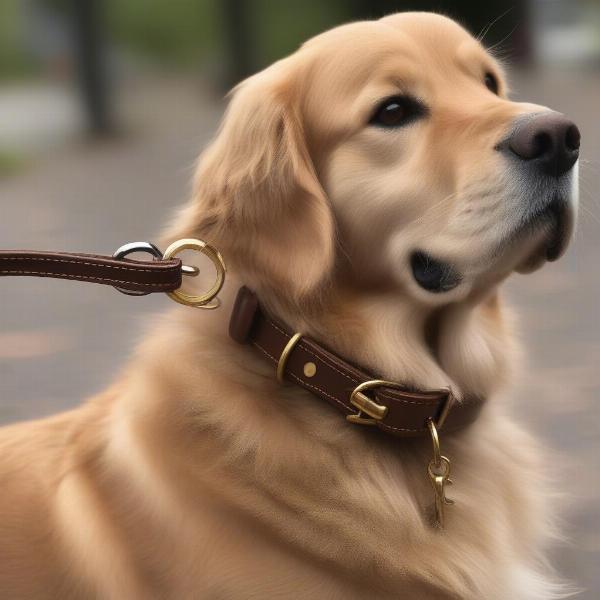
374 189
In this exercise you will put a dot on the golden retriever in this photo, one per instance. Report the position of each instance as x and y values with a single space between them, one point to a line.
374 189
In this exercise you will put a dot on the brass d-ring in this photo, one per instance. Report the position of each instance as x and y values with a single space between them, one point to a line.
435 440
209 299
285 353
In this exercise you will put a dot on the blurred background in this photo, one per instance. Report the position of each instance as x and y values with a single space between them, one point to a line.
104 107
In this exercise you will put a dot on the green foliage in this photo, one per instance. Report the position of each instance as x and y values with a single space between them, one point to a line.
174 31
14 61
182 30
11 163
283 26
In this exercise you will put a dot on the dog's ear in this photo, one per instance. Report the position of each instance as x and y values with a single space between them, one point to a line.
256 195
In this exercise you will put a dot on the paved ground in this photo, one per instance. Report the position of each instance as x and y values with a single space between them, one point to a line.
60 342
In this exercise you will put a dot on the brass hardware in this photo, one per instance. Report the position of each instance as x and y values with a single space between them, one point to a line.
365 405
438 471
209 299
310 369
448 403
435 440
285 354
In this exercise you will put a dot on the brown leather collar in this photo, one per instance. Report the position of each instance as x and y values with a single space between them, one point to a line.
362 397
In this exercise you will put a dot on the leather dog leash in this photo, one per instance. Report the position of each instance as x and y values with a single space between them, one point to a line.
133 277
127 275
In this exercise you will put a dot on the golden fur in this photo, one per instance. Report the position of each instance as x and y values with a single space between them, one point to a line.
196 475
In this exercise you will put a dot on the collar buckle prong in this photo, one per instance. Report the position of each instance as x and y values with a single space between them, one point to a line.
360 400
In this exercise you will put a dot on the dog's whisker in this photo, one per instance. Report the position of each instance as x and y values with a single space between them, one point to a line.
589 165
587 199
492 49
587 210
443 204
592 168
485 30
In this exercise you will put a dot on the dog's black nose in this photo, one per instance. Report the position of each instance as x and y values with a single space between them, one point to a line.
548 140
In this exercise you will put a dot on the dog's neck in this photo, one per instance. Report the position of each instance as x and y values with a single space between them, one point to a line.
222 405
463 345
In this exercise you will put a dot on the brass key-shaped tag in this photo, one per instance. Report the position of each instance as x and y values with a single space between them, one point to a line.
439 475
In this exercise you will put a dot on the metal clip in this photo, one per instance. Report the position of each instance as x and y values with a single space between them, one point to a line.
439 475
130 248
189 270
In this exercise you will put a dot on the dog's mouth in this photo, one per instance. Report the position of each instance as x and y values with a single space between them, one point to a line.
433 274
560 216
557 222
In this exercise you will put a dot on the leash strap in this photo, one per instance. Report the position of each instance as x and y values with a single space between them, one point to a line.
363 398
127 275
133 277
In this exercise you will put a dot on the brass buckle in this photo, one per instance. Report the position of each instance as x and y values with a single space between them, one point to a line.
375 411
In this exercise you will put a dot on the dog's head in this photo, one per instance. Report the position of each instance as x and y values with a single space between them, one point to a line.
386 153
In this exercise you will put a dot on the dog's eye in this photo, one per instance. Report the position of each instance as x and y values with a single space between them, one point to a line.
397 112
491 83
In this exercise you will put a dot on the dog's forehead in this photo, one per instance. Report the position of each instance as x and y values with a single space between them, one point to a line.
410 45
427 27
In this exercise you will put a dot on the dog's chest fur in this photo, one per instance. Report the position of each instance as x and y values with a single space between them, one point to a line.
198 475
242 488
